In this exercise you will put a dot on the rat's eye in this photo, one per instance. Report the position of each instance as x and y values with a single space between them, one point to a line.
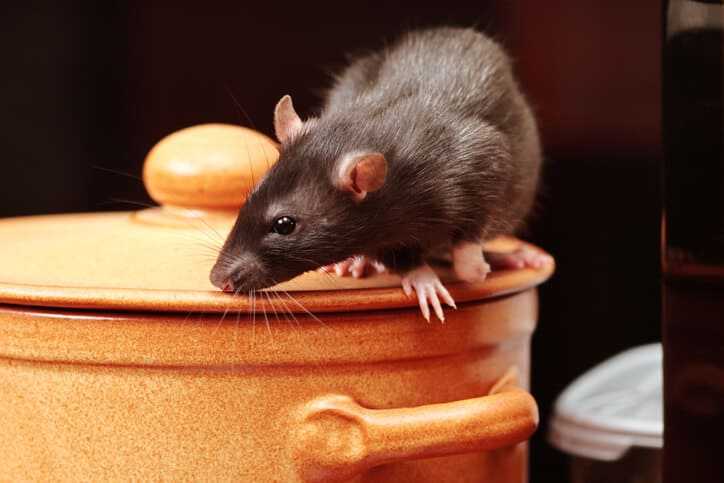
284 225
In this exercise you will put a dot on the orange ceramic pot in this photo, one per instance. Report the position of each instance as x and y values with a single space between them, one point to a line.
119 361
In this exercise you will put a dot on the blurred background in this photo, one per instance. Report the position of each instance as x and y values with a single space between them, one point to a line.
89 87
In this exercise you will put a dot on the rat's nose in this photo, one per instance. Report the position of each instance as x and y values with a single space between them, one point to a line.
222 279
227 279
227 286
232 277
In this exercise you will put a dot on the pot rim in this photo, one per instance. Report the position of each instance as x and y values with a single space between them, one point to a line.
343 300
249 341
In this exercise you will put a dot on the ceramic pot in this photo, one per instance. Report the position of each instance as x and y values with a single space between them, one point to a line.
119 361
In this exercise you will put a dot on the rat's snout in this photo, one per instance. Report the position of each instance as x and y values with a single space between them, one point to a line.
220 277
227 283
240 275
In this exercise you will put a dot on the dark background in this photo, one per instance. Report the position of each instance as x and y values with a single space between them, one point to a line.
90 87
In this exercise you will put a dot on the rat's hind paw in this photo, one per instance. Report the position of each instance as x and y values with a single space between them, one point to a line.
524 257
469 263
428 287
357 266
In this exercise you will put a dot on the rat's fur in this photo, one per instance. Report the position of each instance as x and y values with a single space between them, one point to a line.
463 158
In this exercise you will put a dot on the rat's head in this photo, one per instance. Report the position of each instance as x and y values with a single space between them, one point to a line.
305 213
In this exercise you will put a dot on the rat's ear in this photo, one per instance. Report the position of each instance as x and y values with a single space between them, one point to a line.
286 121
361 173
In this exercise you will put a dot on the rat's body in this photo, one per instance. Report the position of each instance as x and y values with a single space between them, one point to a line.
424 148
445 105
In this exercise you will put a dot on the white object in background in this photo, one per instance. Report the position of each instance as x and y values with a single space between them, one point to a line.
613 407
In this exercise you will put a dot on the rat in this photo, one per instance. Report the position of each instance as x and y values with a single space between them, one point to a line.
423 149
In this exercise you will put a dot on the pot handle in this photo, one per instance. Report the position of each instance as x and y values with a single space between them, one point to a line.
338 439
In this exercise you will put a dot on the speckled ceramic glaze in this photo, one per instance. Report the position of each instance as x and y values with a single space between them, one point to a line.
120 362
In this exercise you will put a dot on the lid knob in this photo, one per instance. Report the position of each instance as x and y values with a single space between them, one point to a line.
208 167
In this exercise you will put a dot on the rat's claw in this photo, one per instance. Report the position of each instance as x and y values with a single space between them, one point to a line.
429 289
407 286
357 266
435 301
343 268
422 301
469 263
446 297
524 257
357 269
340 268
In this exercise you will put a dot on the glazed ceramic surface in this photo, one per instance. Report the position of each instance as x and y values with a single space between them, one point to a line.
120 362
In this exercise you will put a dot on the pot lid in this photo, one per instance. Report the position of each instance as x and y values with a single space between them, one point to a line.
613 407
159 259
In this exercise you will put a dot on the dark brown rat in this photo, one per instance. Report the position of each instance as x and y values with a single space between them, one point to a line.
423 148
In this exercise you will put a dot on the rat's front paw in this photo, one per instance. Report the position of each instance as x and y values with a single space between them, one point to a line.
357 266
428 287
468 262
524 257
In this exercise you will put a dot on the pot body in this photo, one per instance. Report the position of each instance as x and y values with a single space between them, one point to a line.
190 397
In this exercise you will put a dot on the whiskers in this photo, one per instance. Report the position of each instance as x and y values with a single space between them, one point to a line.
300 305
242 111
278 309
115 171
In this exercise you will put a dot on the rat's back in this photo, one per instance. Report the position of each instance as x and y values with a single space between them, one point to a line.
449 77
449 69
